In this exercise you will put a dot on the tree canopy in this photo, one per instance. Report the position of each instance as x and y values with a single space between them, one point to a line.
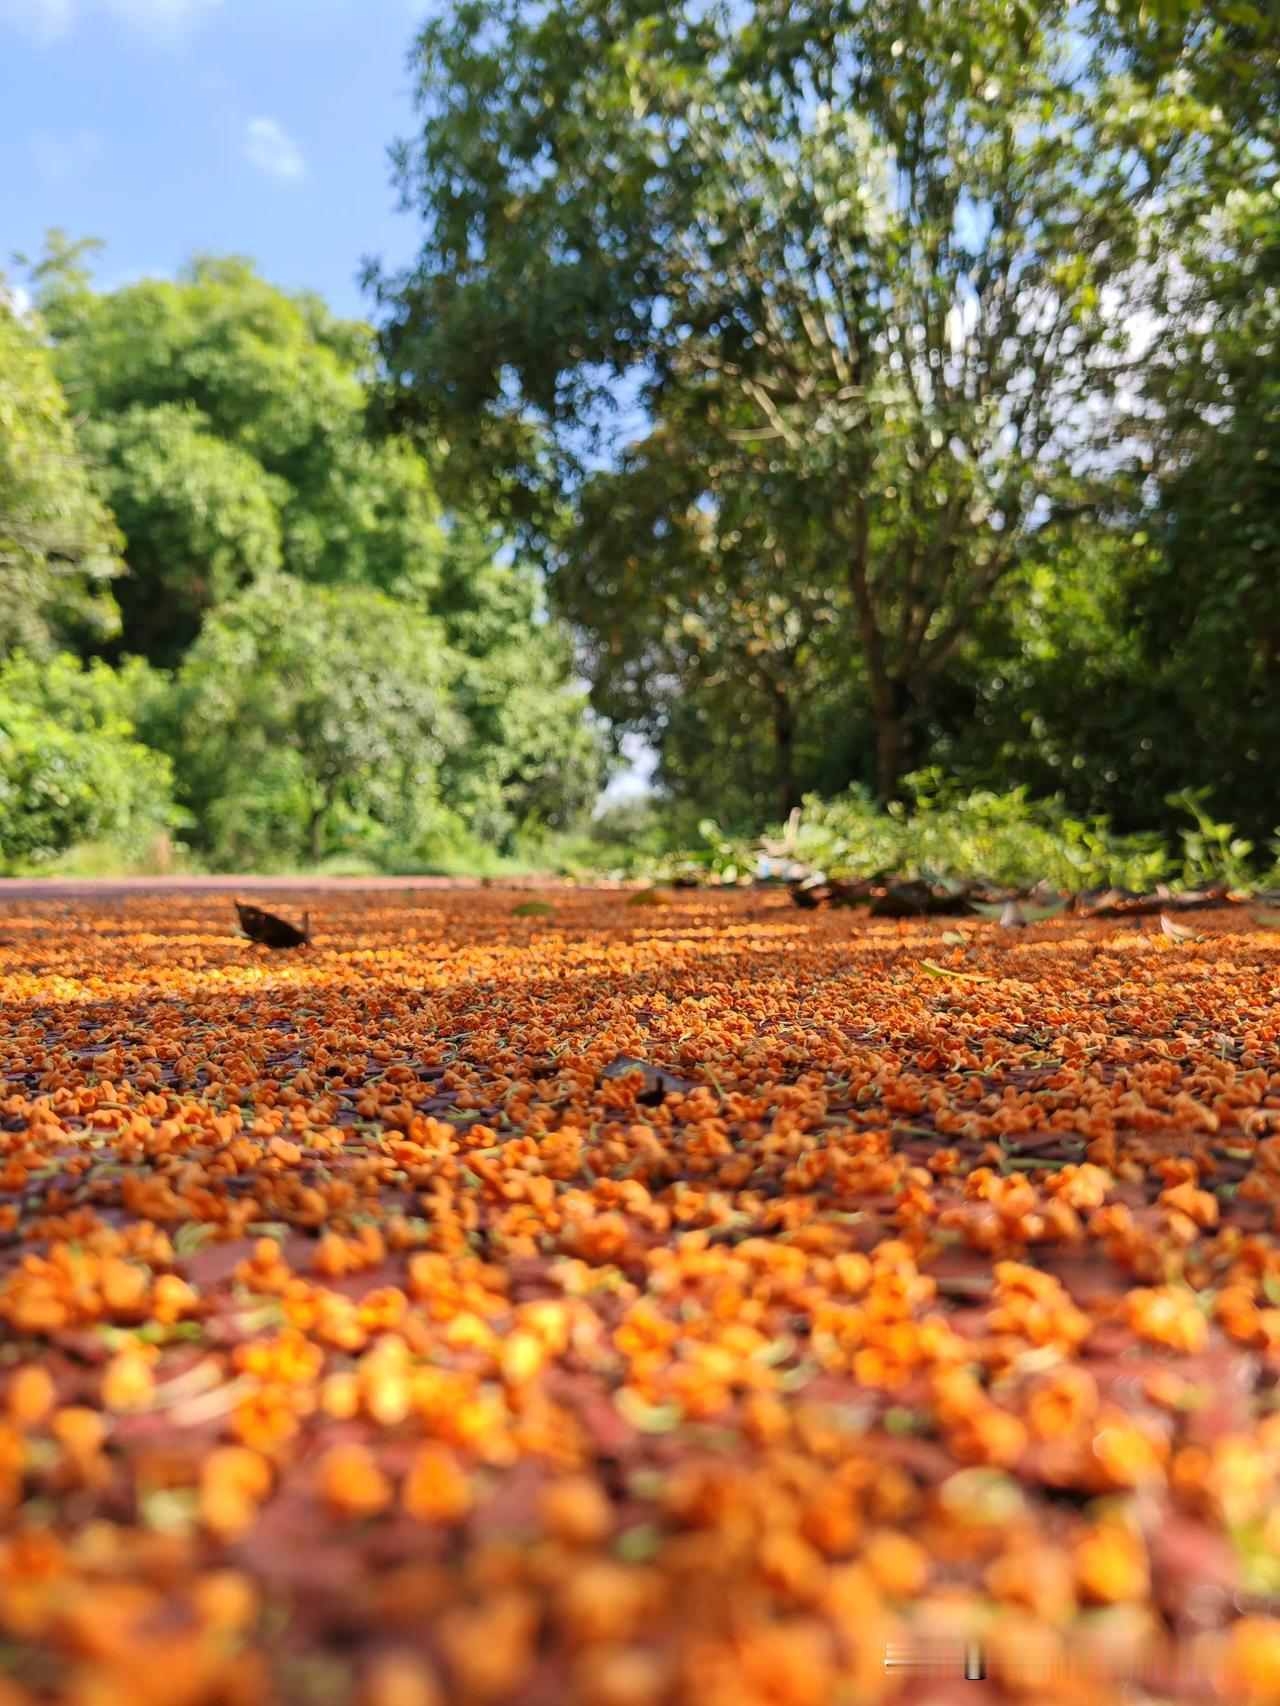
796 336
356 670
59 547
232 420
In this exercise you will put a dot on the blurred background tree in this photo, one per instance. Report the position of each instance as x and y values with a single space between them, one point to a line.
200 517
324 663
73 768
824 353
59 547
315 717
822 393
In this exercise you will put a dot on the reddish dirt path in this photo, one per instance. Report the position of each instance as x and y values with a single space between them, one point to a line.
89 888
373 1327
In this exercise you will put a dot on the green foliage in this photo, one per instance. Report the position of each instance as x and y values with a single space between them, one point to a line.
1227 51
200 518
322 722
631 837
942 833
884 385
1166 622
889 393
357 676
724 649
71 767
272 371
314 722
58 547
1208 608
865 272
168 371
534 761
1212 852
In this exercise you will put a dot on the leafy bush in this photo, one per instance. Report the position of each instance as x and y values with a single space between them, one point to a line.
313 722
1211 850
624 839
942 833
1006 838
71 767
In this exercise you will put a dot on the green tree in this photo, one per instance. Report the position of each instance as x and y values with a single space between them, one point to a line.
271 370
1054 689
71 766
268 519
58 547
1207 605
315 720
200 519
1208 609
708 629
282 386
533 761
883 256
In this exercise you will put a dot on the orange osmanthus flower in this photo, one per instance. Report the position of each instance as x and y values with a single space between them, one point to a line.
645 1308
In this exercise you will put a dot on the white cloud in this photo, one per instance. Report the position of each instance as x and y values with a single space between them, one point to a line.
272 150
61 154
15 299
50 20
158 16
42 20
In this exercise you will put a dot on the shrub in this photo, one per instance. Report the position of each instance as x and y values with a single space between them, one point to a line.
71 767
313 722
1006 838
941 832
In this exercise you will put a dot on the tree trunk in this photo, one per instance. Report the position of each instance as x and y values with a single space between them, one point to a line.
784 741
893 742
316 834
328 786
891 699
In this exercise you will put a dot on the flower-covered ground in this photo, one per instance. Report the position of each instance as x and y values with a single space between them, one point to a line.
679 1304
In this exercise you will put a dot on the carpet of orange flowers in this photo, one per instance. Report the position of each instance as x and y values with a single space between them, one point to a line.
695 1303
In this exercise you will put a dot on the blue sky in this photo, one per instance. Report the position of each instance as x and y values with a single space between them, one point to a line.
164 127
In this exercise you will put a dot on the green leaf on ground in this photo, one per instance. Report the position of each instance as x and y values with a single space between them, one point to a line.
935 970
